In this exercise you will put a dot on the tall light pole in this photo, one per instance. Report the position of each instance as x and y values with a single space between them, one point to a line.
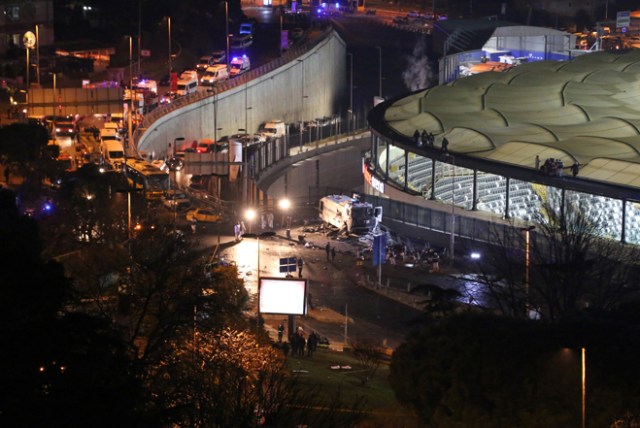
55 96
131 95
584 386
170 65
527 261
281 35
226 26
251 214
379 71
284 204
350 112
139 34
37 56
301 62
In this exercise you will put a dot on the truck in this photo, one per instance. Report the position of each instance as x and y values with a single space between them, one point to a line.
349 214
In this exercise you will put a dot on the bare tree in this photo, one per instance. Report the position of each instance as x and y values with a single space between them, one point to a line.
568 267
370 357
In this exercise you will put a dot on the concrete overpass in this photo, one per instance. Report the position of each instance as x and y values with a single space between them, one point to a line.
306 82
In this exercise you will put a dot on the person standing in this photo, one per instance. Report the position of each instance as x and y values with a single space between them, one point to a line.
575 168
328 250
300 264
333 254
312 343
280 332
537 162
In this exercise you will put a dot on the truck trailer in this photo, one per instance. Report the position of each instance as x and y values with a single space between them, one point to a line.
349 214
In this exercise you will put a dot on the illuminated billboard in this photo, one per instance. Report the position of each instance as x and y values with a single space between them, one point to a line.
282 296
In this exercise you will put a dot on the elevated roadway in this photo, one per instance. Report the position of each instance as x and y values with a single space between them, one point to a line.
306 82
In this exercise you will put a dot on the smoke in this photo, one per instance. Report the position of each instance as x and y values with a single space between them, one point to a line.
418 74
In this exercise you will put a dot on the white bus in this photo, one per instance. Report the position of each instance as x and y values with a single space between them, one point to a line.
148 177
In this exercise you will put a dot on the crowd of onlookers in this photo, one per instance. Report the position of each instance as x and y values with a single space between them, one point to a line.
400 255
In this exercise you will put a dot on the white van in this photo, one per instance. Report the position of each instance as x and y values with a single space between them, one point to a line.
273 129
187 86
109 132
239 65
241 42
214 74
113 152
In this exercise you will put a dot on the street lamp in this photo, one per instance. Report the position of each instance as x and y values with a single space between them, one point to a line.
350 90
226 22
284 205
379 70
250 214
527 233
301 61
245 165
37 56
55 97
170 65
131 94
584 385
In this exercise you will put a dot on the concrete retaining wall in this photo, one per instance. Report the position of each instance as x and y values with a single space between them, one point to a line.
312 84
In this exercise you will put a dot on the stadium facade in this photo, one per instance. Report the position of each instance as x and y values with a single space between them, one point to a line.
545 133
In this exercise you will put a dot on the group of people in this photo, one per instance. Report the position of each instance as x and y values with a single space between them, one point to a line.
400 255
239 229
553 166
424 138
266 220
300 346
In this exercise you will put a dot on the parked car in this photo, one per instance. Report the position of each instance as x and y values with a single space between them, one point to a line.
203 215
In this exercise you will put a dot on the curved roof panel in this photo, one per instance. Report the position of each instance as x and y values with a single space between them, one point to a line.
585 110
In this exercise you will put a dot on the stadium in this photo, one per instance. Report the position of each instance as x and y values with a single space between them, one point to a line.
545 133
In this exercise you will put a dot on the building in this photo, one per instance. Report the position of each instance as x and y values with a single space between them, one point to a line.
20 17
463 43
545 133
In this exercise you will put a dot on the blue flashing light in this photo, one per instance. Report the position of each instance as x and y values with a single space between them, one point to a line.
234 58
323 5
337 5
47 207
319 10
244 56
475 255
